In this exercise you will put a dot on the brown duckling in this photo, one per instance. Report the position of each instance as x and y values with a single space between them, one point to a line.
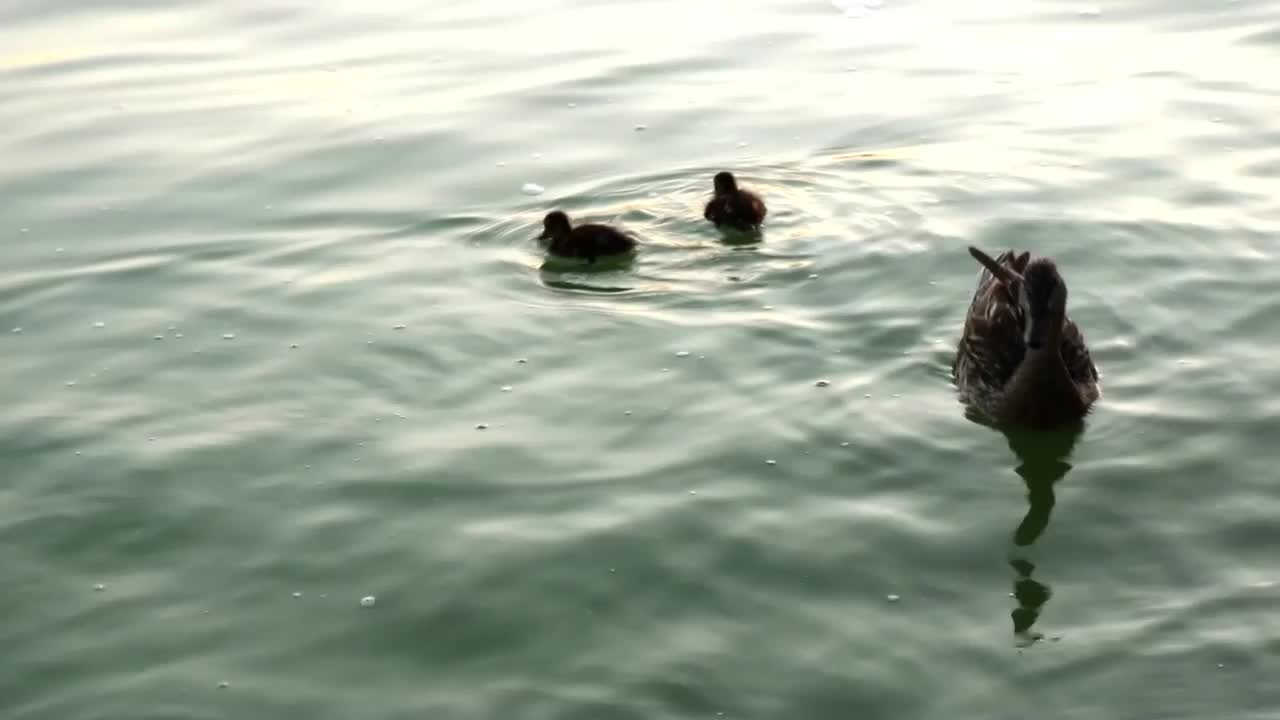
733 207
588 241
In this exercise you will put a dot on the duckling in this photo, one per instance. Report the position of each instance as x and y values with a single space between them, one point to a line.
588 241
733 207
1020 359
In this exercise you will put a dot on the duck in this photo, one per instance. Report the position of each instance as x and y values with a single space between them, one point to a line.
1020 360
734 207
588 241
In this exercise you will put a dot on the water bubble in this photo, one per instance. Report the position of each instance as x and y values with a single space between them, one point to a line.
628 412
770 462
572 104
892 598
506 388
1089 12
867 395
229 336
224 685
399 327
16 331
813 276
71 383
693 492
482 426
743 144
532 189
501 163
158 337
844 444
536 156
99 324
58 250
179 336
522 361
99 587
767 307
24 230
822 383
297 595
293 346
641 127
682 354
368 601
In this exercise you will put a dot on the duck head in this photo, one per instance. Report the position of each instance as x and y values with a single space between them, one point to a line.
554 225
1041 293
725 183
1043 297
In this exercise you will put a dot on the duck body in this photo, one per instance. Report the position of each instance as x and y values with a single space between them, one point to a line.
1020 360
587 241
734 207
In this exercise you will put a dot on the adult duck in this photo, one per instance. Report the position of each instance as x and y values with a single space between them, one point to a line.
732 206
588 241
1021 361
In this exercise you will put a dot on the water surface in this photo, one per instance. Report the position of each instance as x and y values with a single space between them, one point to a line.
269 269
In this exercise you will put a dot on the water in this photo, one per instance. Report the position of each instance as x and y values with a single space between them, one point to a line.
273 268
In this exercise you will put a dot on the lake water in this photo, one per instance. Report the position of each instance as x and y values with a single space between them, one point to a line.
277 337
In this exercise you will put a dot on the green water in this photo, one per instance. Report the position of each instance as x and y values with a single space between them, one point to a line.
666 516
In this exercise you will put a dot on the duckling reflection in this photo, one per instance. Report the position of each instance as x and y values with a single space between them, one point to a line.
1042 463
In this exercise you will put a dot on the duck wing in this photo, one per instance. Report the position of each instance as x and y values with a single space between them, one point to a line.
991 346
756 205
1075 355
741 210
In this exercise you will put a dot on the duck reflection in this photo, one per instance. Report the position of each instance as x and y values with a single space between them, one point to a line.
1042 462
